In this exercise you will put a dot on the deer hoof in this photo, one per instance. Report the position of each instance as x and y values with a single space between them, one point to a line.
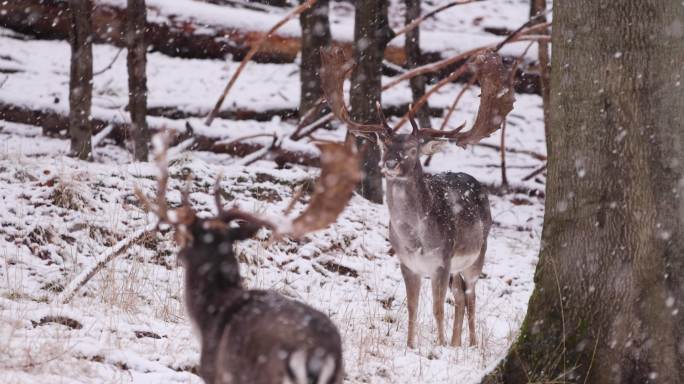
411 344
455 342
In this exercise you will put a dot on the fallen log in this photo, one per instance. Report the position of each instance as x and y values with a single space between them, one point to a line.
266 115
47 19
55 124
177 37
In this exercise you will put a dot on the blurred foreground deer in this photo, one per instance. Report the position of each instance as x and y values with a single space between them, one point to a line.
439 223
255 336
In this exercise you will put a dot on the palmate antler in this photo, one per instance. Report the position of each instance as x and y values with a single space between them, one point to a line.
334 69
340 172
496 99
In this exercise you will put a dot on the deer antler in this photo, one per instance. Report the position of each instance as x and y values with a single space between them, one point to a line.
340 172
496 101
178 218
334 69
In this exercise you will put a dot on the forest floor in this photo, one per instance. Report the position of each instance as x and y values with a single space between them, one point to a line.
128 323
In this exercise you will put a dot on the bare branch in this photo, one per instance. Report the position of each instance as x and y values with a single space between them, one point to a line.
296 11
436 66
415 23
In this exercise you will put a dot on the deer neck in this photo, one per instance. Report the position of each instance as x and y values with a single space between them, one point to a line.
210 293
408 198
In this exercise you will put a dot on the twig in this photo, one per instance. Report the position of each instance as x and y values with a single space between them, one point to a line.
533 154
415 23
311 128
451 110
97 139
88 273
504 178
521 30
511 80
419 104
2 84
260 154
252 51
535 173
239 139
111 63
436 66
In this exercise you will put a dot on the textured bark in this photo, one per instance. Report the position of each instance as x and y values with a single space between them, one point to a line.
137 78
607 305
371 34
414 59
81 78
538 8
315 35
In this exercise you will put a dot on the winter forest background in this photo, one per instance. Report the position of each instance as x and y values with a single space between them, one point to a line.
582 279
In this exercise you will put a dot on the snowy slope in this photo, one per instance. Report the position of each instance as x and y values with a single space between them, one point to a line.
59 213
128 324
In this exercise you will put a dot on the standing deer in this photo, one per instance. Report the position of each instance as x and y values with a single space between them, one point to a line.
438 223
257 336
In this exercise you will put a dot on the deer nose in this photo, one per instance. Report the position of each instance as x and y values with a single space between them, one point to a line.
391 164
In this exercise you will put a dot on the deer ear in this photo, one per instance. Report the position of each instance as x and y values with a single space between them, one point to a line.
431 147
244 231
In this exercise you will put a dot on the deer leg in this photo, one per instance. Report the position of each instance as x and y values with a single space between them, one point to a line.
412 283
470 277
440 283
458 290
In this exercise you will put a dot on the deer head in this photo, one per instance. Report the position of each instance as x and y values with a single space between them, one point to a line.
339 175
401 152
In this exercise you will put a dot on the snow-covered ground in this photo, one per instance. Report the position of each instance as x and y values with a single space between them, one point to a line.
128 323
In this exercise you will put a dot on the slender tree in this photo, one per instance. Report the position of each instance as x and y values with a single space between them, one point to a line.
413 59
538 10
315 35
371 35
81 77
608 300
137 79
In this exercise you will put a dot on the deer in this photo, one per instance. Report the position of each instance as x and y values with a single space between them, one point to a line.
256 336
438 223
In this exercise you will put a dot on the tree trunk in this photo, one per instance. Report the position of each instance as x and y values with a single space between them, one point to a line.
607 305
315 35
81 78
371 34
538 8
137 79
413 60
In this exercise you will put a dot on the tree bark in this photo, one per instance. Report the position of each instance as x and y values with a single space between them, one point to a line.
137 78
538 8
414 59
371 34
315 35
607 305
81 78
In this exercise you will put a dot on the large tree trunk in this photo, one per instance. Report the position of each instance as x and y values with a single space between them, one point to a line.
371 34
413 59
538 8
607 306
137 79
315 35
81 77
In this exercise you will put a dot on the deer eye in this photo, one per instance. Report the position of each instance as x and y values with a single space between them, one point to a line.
412 152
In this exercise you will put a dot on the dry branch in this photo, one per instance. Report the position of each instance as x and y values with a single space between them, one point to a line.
415 23
299 9
82 279
438 65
